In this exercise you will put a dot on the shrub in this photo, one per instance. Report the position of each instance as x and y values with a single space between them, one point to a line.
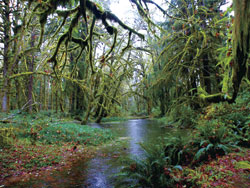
156 112
242 134
215 111
239 122
182 116
179 149
235 117
213 138
154 170
6 137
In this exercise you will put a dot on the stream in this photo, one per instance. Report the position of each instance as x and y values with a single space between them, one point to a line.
101 169
97 173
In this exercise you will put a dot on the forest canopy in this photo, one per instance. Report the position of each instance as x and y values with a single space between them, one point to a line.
80 57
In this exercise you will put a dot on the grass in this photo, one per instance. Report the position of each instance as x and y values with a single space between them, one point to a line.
48 128
71 132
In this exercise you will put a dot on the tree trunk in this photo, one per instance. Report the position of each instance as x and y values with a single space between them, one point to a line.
241 50
51 97
56 101
206 74
6 83
40 94
44 92
73 99
241 47
31 69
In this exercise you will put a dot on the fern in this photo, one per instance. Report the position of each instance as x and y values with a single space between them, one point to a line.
147 172
213 139
199 153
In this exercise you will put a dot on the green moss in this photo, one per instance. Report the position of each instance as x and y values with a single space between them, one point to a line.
6 137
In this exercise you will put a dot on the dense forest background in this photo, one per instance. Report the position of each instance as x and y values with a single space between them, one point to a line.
77 57
178 68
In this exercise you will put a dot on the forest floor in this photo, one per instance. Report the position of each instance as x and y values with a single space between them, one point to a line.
20 163
42 146
37 144
229 171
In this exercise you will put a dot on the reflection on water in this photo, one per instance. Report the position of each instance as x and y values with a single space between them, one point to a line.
97 173
101 169
138 132
135 131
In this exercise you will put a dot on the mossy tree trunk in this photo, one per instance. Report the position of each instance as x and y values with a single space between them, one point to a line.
31 77
241 50
241 47
6 59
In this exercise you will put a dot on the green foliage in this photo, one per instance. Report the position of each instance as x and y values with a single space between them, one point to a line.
153 170
235 117
213 138
182 116
178 149
112 119
156 112
134 112
243 164
117 111
70 132
242 133
50 128
6 137
164 121
243 100
25 120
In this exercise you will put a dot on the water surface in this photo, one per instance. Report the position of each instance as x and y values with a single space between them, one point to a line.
101 169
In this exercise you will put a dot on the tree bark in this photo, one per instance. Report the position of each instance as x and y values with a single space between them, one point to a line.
31 69
241 50
6 83
241 42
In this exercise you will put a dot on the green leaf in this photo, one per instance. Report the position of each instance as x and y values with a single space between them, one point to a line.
178 167
209 146
199 153
225 148
243 165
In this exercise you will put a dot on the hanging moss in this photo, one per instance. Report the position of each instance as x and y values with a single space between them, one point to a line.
241 46
242 25
241 50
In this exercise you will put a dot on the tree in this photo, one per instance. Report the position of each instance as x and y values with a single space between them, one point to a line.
6 37
196 79
63 51
187 51
241 50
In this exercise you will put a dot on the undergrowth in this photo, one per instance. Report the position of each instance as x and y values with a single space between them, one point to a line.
70 132
49 128
218 131
31 143
153 171
113 119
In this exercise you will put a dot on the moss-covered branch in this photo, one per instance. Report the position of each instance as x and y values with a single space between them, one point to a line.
91 45
165 12
80 83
